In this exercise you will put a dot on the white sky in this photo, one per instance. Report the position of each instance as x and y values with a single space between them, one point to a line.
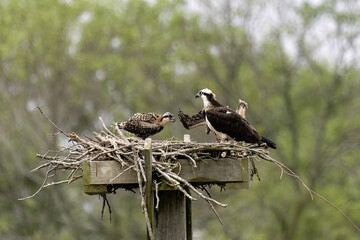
322 34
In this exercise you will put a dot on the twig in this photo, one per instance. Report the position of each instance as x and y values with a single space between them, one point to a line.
143 203
55 183
216 213
128 168
121 134
157 195
59 129
103 206
195 190
107 128
337 209
41 187
292 174
142 170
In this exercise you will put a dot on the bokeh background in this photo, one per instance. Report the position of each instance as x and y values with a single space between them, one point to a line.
295 62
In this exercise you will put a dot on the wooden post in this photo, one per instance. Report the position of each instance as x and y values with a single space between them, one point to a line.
149 194
173 219
188 204
188 218
170 218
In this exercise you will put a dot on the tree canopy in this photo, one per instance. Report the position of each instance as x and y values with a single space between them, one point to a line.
296 63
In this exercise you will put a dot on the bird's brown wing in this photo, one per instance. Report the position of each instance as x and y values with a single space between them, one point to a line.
193 121
142 129
227 121
146 117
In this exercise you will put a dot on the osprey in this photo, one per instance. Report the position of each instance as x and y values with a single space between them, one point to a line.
144 125
199 120
228 124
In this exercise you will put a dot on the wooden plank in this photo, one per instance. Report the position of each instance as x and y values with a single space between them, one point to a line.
213 171
224 170
91 189
149 194
101 172
96 189
86 173
245 173
245 169
170 218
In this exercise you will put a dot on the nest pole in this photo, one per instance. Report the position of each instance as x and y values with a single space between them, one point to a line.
149 194
188 204
170 217
173 216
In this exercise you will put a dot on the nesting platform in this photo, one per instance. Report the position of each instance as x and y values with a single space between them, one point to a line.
235 173
172 219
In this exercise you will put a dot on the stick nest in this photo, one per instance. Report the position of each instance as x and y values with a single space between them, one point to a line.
128 152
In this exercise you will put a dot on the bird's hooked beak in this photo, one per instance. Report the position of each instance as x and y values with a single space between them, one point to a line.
197 95
172 118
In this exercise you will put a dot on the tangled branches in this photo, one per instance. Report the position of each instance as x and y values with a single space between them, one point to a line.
129 153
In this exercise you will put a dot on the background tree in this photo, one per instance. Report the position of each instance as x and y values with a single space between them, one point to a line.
296 64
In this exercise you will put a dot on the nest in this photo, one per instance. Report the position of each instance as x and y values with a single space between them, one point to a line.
129 152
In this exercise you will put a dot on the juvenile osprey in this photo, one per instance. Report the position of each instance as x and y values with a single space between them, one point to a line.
226 123
144 125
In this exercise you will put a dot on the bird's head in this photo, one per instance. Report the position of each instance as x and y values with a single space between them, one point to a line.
167 117
121 125
206 95
242 104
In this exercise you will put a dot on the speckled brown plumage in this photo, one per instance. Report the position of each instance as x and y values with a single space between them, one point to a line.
144 125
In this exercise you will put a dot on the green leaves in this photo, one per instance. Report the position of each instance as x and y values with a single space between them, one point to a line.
79 60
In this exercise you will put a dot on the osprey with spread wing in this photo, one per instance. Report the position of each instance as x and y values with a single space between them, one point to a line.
227 124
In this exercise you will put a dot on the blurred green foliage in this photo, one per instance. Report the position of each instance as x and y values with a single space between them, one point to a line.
296 64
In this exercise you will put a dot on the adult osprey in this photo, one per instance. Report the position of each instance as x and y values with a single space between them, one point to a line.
198 119
226 123
144 125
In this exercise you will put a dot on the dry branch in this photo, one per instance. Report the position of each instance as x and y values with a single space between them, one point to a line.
128 152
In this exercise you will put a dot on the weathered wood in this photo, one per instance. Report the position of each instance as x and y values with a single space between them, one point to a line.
173 219
188 214
245 169
224 170
188 204
149 194
170 218
91 189
187 138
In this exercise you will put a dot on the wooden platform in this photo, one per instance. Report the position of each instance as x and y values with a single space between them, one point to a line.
173 218
233 172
